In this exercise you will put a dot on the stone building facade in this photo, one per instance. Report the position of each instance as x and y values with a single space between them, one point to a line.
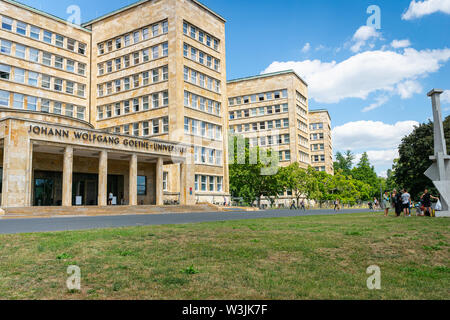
100 109
321 140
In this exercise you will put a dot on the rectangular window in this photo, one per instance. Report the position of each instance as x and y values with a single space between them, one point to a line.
145 105
45 105
155 75
155 100
118 63
21 28
34 55
211 183
4 98
81 68
165 49
165 121
126 61
201 36
126 83
117 109
71 44
5 72
155 30
80 90
136 129
19 75
57 108
155 52
101 48
20 51
185 28
136 57
7 23
136 81
186 125
58 85
118 85
69 87
81 48
127 40
59 41
45 82
203 183
145 78
186 74
109 66
196 183
193 32
118 43
155 123
126 129
33 78
136 105
142 185
69 110
99 113
47 58
145 55
165 180
165 73
35 33
5 47
165 98
31 103
59 61
81 112
194 54
126 107
18 101
145 128
219 184
70 66
144 34
165 26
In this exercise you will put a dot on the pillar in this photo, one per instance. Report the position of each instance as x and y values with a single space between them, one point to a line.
133 181
183 190
67 177
103 179
159 181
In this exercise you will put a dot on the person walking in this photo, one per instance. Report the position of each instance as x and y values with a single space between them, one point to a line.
302 205
293 206
397 202
386 203
426 201
406 202
336 205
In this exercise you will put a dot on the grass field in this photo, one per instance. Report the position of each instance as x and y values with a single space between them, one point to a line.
315 257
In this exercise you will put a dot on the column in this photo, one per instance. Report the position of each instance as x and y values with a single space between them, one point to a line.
183 184
159 181
133 181
103 179
67 177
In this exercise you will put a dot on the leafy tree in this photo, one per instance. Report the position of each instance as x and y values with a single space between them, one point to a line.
302 182
344 162
414 160
365 172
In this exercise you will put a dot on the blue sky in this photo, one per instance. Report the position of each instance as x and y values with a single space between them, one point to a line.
374 88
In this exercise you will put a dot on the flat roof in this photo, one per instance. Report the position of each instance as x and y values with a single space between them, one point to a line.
135 4
320 111
266 75
45 14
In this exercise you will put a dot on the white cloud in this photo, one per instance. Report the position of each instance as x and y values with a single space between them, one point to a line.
418 9
445 97
306 48
401 44
379 102
362 35
363 73
408 88
371 135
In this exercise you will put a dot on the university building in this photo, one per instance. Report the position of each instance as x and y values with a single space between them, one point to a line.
321 140
133 104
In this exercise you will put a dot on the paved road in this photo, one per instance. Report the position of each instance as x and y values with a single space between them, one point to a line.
12 226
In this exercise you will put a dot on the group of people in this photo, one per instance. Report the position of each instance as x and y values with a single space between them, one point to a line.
401 202
301 206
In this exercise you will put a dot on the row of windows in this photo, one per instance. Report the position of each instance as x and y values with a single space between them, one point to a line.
268 96
202 129
208 183
145 128
258 126
133 37
261 111
303 141
201 80
207 156
201 57
317 136
317 147
194 101
135 58
303 157
301 97
41 80
201 36
318 158
302 111
320 169
270 140
302 126
42 57
43 35
23 102
135 81
316 126
157 100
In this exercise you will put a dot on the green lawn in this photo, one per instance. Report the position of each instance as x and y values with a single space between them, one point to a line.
318 257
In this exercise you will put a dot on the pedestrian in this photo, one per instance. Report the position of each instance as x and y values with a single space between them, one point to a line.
375 203
386 203
406 202
426 201
336 205
293 206
110 198
302 205
398 203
